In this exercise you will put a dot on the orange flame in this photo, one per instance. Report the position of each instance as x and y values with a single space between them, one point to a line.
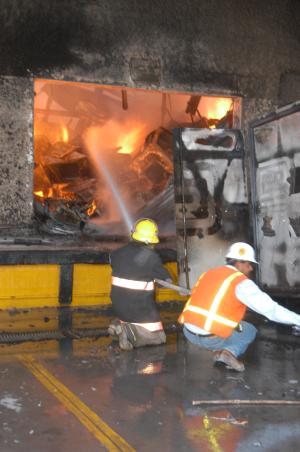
123 138
53 131
40 194
48 193
65 134
218 107
91 209
129 140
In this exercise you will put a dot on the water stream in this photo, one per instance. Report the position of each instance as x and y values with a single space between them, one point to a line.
115 191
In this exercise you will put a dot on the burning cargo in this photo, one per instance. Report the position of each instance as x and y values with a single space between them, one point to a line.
104 156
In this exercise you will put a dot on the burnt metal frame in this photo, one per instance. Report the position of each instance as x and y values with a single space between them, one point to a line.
181 152
44 255
179 145
60 256
253 204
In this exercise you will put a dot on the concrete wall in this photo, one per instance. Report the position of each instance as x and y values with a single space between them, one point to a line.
250 49
16 150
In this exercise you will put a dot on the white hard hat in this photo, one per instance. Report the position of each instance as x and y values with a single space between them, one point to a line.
241 252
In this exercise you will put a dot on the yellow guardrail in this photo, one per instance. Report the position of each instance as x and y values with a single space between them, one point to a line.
37 286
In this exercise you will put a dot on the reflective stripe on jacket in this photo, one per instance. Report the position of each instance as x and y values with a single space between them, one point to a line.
213 305
131 284
152 326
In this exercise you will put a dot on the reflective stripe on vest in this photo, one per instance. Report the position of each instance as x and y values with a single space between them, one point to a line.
131 284
211 314
217 318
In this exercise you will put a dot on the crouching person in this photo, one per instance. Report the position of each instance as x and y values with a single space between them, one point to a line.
134 268
213 316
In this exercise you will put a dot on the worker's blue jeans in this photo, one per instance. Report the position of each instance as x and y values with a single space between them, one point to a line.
237 343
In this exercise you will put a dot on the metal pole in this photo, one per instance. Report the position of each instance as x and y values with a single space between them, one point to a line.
186 263
245 402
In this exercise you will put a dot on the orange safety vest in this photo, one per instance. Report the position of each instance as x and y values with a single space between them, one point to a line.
213 305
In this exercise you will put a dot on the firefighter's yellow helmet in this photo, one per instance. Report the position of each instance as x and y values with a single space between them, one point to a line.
145 230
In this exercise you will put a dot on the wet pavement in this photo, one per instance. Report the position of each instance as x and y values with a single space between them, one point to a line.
77 395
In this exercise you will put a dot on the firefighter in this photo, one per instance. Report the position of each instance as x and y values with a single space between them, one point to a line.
213 316
134 268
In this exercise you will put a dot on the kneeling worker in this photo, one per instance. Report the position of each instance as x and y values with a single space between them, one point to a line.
134 268
213 316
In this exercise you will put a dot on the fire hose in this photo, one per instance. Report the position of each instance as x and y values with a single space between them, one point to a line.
179 289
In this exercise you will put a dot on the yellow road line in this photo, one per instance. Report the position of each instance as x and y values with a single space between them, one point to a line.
107 437
211 435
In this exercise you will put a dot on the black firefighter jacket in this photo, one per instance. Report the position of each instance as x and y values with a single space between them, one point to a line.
139 262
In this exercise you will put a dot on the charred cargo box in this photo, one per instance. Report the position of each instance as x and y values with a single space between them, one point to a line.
275 200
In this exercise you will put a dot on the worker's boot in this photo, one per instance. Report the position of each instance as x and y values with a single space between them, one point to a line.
231 362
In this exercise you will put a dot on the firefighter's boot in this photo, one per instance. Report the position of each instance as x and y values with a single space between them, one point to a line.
124 337
114 329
